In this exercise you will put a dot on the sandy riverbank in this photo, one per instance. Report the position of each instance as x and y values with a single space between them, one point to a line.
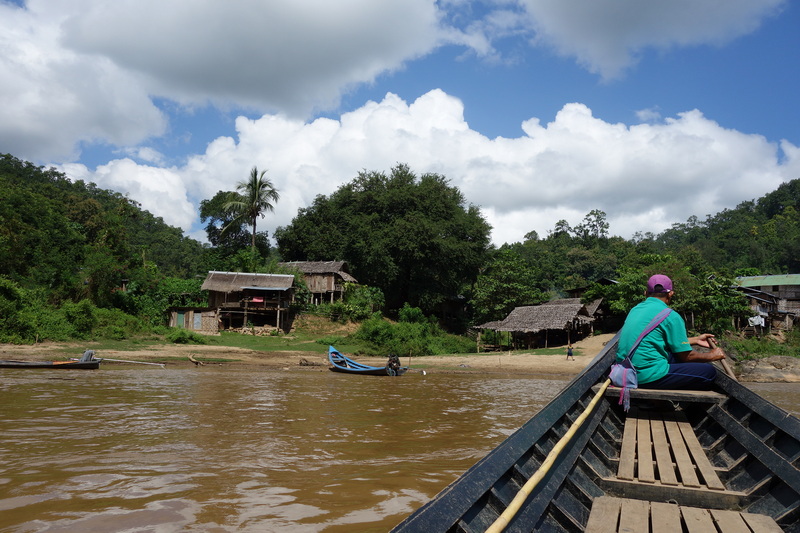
498 362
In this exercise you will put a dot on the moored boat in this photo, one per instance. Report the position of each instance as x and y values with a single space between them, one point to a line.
341 363
678 461
86 362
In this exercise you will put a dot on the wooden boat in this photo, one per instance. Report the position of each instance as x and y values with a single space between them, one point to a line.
86 362
341 363
718 461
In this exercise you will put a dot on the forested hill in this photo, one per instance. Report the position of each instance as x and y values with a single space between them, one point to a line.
78 241
761 234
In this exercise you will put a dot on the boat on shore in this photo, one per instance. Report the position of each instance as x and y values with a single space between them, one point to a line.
86 362
678 461
341 363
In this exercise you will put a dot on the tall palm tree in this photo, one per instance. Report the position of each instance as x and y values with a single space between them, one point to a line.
255 196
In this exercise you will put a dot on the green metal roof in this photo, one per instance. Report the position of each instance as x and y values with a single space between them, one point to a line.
762 281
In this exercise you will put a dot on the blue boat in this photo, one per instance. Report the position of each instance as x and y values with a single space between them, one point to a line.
341 363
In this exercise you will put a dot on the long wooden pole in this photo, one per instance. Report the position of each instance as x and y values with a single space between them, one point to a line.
134 362
504 519
726 366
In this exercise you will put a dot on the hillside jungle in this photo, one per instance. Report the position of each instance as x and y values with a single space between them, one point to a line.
81 263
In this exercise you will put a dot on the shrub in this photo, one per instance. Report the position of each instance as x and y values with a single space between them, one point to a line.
417 335
411 314
183 336
82 317
376 330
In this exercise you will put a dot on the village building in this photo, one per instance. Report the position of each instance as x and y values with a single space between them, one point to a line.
554 323
240 300
324 279
774 300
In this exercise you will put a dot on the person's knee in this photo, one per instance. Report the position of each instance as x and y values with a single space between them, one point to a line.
709 372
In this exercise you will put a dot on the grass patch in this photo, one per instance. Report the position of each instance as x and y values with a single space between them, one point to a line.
758 348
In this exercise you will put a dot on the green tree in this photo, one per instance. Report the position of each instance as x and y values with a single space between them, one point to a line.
594 226
412 237
505 283
255 196
227 250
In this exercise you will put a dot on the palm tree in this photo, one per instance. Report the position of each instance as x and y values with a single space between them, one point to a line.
255 196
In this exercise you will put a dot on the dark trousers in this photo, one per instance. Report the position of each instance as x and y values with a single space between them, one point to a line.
692 376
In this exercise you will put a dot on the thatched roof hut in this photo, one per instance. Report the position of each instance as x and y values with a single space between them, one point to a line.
563 316
227 282
325 279
535 318
322 267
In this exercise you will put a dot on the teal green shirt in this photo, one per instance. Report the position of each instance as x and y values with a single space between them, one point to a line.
651 358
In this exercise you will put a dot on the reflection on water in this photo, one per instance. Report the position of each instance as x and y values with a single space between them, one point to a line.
218 450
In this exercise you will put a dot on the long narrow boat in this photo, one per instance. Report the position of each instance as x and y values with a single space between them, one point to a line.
341 363
86 362
679 461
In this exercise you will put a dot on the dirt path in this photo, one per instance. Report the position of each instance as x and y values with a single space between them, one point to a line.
496 362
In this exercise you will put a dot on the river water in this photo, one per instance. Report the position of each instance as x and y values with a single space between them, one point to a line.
220 450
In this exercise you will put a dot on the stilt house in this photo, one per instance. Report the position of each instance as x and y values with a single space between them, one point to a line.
325 279
554 323
245 299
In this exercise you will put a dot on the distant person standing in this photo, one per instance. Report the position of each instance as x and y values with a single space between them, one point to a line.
569 353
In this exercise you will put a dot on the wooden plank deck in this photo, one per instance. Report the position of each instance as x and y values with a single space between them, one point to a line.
663 447
619 515
661 459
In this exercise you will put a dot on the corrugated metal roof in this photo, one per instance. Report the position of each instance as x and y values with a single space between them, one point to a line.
761 281
236 281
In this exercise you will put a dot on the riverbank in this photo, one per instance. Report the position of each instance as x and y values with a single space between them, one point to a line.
771 369
179 355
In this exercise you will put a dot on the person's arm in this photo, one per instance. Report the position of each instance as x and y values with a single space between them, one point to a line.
694 356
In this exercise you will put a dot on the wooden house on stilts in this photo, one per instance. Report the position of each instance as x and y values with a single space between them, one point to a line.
244 299
554 323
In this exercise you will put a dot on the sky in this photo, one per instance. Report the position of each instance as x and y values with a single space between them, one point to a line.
536 110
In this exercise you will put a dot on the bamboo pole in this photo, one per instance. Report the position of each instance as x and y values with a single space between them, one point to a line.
504 519
726 366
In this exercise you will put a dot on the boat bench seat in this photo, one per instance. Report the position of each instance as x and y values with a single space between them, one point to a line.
609 515
661 459
676 395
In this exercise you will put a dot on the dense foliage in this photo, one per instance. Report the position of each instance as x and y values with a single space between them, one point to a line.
412 237
68 249
413 334
79 262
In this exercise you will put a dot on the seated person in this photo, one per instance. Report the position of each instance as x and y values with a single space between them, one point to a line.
665 358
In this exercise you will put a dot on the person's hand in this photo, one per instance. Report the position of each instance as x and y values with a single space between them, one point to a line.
703 340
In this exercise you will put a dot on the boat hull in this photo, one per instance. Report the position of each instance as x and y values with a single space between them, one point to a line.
60 365
341 363
753 445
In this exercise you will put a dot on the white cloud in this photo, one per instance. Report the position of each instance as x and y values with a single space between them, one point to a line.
88 72
606 36
644 177
292 56
53 99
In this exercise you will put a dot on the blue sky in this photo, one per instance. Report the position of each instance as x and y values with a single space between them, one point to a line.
538 110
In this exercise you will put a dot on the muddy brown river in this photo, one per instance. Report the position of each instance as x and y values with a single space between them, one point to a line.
132 449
